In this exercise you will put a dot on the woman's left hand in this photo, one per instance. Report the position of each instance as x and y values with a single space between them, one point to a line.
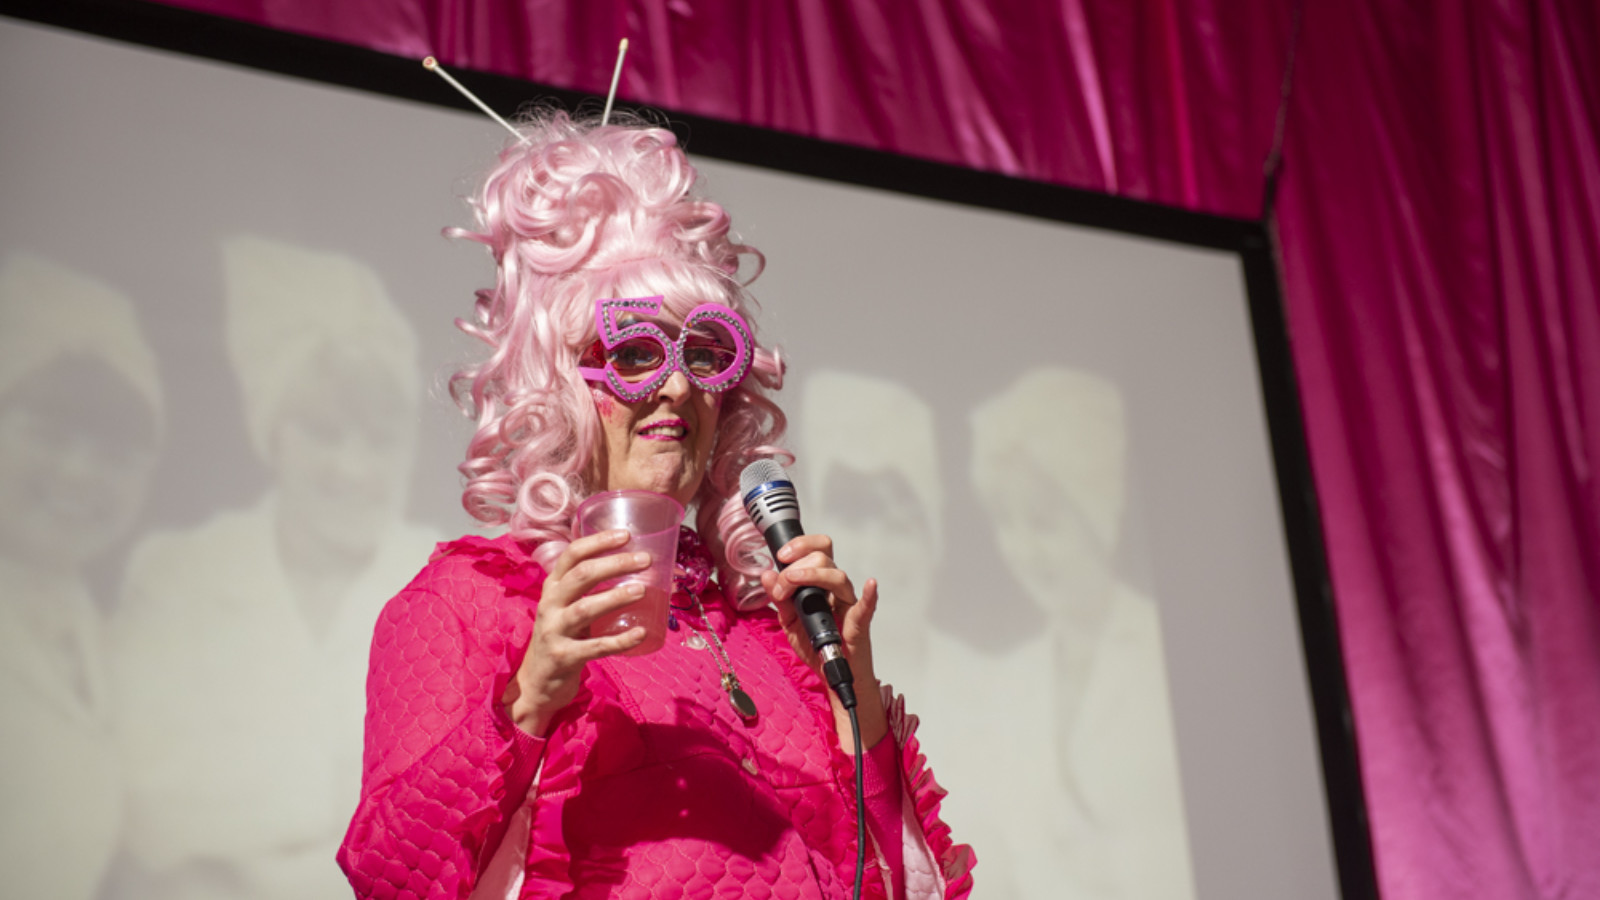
810 562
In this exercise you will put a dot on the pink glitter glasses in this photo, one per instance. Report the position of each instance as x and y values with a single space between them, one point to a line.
713 348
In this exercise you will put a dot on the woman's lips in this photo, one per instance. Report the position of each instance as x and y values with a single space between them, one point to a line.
665 430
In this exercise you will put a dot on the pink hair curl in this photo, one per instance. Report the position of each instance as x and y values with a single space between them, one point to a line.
574 213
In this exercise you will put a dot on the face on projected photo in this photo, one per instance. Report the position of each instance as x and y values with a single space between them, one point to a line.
77 448
878 516
1048 461
341 447
869 449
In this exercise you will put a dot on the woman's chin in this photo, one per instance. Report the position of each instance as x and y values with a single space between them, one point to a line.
676 490
676 481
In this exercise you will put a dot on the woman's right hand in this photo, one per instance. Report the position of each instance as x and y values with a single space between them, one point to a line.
560 647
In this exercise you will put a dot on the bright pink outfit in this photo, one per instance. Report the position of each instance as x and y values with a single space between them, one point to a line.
649 785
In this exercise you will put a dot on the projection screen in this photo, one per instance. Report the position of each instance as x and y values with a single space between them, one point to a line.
227 315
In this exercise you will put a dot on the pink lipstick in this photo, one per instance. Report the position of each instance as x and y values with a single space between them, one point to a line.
665 430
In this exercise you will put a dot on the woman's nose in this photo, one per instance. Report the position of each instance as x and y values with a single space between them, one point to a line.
675 389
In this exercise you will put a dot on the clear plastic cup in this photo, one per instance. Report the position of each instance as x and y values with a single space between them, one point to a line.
653 520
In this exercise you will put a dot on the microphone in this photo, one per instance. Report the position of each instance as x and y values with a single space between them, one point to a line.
770 499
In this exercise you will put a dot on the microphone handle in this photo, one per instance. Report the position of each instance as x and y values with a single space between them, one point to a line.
811 604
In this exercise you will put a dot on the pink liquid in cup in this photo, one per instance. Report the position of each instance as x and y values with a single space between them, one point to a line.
653 520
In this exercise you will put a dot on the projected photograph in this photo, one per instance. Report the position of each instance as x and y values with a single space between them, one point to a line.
1074 784
226 322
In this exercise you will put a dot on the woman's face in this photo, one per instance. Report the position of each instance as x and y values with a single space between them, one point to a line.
661 443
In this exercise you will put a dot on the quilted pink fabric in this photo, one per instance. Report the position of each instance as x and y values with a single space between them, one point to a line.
649 786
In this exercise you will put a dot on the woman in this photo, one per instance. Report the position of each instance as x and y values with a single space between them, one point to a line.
241 642
510 753
81 425
1083 797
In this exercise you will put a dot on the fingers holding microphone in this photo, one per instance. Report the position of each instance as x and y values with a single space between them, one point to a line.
813 566
809 561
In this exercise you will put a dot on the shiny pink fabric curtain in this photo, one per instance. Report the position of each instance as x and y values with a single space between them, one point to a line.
1439 219
1440 223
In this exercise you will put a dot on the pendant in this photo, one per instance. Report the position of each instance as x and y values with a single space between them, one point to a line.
695 641
736 696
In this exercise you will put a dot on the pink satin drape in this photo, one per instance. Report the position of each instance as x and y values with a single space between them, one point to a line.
1440 223
1439 219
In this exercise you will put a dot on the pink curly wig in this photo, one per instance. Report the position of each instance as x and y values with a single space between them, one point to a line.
579 212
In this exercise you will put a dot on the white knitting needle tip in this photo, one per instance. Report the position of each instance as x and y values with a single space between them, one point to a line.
616 76
433 66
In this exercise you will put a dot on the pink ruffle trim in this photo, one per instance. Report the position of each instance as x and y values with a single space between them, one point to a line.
955 860
837 844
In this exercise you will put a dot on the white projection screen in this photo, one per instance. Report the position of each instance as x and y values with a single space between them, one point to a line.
225 316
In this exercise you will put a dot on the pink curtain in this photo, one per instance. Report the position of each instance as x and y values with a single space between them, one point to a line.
1439 217
1440 222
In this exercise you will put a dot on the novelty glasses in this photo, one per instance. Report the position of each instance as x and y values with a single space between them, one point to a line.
635 358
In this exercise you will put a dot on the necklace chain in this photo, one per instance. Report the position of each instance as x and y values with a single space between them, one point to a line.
740 700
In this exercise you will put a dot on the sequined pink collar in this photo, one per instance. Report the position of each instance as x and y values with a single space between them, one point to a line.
693 572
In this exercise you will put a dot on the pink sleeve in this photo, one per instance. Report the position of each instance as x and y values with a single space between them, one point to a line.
934 866
444 768
881 786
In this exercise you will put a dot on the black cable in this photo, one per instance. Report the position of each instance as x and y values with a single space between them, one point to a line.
861 805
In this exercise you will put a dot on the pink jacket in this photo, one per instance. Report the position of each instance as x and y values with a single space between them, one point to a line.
649 784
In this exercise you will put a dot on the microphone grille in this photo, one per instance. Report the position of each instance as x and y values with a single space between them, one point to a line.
760 472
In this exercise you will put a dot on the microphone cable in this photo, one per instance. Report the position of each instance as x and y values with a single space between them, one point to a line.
770 499
861 806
